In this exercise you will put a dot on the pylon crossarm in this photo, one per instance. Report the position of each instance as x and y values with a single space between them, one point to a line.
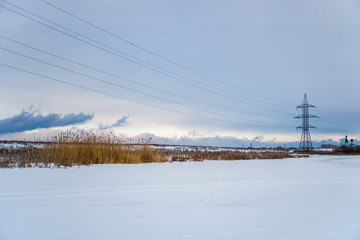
304 127
305 105
309 105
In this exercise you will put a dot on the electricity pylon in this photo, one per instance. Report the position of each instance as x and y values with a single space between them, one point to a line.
305 142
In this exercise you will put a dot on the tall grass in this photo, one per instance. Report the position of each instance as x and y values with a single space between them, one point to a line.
76 148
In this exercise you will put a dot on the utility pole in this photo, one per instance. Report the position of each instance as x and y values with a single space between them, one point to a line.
305 142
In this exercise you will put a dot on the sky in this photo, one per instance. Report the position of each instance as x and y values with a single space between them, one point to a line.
205 72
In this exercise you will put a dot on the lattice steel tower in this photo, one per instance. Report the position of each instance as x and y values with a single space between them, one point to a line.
305 142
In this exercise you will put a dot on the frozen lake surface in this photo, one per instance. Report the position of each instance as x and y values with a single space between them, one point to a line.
308 198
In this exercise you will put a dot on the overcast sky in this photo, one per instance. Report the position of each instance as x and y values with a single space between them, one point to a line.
180 69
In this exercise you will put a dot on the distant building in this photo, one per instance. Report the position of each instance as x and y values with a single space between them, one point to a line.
349 144
346 141
328 146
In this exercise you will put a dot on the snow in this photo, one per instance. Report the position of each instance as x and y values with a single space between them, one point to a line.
12 145
307 198
18 145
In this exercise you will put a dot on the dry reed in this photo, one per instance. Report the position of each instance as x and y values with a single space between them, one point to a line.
76 148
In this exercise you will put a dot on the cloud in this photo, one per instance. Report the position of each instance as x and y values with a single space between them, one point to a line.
196 133
258 138
121 122
32 119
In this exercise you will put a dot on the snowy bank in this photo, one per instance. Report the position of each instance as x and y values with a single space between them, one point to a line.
307 198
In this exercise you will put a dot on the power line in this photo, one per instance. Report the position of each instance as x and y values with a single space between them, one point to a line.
324 119
115 54
191 49
327 110
132 100
153 53
338 121
135 82
202 54
147 104
215 91
126 88
266 115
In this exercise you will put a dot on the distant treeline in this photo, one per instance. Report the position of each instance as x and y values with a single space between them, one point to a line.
348 150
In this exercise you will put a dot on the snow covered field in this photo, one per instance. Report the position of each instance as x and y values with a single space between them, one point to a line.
308 198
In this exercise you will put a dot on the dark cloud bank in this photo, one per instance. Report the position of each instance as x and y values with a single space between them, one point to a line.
30 120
